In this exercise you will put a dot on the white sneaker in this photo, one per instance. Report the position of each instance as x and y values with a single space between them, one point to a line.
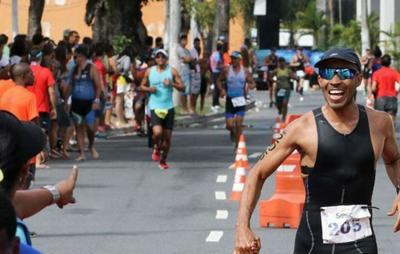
301 98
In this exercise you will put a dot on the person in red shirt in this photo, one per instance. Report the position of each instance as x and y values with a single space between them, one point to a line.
99 53
43 88
384 86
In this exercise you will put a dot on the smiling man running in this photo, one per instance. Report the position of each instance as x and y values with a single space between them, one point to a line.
339 144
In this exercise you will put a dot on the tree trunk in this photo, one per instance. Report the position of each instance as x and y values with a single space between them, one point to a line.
221 24
116 18
36 8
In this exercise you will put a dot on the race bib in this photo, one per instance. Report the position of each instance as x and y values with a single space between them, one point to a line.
345 223
161 113
281 93
238 101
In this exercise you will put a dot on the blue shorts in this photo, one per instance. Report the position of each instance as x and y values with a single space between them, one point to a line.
90 118
231 111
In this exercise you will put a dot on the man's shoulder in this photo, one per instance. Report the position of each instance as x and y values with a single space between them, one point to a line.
379 118
302 123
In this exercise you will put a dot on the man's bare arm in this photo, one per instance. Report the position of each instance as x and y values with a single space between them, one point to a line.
268 162
390 153
177 84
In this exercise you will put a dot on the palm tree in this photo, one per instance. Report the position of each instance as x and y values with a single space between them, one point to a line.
313 19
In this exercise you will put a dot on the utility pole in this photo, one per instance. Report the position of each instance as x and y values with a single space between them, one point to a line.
15 17
174 30
365 40
166 24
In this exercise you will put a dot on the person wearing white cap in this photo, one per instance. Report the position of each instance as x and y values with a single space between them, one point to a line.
159 81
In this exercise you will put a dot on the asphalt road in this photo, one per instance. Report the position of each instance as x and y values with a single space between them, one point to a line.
127 205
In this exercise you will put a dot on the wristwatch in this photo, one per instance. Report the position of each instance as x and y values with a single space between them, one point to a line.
97 100
54 192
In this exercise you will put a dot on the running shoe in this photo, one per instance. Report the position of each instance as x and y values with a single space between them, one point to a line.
156 155
163 165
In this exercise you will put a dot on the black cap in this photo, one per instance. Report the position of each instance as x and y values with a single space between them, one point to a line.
28 137
345 54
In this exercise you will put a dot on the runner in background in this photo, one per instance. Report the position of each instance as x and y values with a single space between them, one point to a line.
281 77
298 63
159 82
236 77
271 61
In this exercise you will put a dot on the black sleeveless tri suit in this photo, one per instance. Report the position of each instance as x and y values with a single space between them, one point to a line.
343 174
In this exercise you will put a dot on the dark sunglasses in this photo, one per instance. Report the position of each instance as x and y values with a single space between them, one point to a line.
343 73
161 56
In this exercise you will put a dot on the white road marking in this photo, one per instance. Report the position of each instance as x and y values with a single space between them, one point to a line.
215 236
254 155
220 195
222 215
222 178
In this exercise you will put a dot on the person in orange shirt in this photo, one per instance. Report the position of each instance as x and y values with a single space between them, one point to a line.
19 101
5 84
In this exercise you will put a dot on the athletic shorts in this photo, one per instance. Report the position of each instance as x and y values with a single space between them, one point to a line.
231 111
79 110
366 73
44 121
166 122
63 118
387 104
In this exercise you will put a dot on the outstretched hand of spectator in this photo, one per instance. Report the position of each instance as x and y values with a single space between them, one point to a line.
66 188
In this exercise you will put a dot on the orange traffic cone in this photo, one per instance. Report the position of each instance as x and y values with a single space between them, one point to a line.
238 184
241 159
241 165
285 207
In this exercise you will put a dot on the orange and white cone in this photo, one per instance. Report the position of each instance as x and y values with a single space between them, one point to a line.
238 184
241 159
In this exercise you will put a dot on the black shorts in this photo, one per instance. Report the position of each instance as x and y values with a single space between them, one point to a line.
231 111
44 120
63 117
387 104
167 122
366 73
81 107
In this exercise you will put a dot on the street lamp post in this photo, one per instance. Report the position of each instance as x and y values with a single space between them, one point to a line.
15 17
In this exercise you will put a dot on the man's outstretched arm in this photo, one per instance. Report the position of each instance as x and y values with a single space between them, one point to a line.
274 155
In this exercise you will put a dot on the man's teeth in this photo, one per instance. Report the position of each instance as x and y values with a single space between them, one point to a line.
336 92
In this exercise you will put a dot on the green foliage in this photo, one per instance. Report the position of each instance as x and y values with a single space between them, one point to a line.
313 19
348 36
204 12
119 43
392 45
